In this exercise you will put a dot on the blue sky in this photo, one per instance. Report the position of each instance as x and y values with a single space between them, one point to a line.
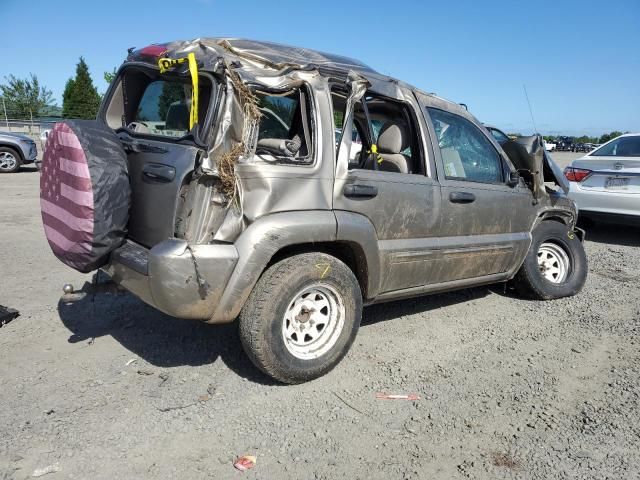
580 60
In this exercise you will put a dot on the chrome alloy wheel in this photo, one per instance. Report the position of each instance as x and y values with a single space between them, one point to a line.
313 322
553 262
8 161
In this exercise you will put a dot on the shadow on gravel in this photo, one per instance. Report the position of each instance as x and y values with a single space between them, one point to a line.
27 169
411 306
611 233
159 339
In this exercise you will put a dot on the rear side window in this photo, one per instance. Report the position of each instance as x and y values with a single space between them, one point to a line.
388 124
498 135
620 147
277 114
466 153
284 132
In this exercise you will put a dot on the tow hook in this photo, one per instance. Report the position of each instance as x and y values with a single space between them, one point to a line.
71 295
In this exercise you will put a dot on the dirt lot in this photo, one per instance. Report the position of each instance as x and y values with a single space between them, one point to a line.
110 388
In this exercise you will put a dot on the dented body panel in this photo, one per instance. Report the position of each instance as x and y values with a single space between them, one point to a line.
233 209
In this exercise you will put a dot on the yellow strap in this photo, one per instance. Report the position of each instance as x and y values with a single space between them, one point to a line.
374 150
193 69
165 64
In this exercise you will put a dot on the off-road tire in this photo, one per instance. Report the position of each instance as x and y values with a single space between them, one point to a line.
262 316
17 157
531 283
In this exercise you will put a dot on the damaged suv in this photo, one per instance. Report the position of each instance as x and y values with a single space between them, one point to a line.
222 179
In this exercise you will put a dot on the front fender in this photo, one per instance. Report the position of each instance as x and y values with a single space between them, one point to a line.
260 242
17 146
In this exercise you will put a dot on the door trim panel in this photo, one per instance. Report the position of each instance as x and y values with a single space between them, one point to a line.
411 263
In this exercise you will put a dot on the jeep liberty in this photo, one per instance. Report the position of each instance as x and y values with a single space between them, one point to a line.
287 188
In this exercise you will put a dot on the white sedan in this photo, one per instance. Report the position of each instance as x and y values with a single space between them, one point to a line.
605 183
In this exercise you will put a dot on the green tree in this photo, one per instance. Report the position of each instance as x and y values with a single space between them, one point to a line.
80 98
109 76
609 136
25 97
586 139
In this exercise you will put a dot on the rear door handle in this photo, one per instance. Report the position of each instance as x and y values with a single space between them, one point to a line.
462 197
355 190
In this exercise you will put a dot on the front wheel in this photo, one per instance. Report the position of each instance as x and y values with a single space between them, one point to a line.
301 317
555 266
9 160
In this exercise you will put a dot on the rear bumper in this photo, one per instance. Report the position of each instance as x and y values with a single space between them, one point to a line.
604 202
611 218
182 281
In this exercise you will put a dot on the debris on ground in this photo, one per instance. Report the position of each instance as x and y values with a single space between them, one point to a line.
387 396
130 362
7 314
348 404
245 462
39 472
144 371
176 407
505 460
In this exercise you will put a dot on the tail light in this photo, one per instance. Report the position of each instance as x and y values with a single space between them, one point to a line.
153 50
576 174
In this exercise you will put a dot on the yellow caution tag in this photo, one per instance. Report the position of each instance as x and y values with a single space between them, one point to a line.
374 150
165 64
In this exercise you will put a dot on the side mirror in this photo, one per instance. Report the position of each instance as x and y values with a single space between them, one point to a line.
513 179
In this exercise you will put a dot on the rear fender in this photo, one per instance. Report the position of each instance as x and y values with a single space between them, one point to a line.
260 242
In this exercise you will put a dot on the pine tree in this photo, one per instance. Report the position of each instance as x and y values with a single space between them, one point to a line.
80 98
25 98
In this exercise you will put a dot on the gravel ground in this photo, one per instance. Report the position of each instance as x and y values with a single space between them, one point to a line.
110 388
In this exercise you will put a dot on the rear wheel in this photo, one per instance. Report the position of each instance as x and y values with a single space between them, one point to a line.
555 266
9 160
301 317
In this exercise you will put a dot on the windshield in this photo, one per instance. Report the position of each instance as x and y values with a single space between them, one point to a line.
620 147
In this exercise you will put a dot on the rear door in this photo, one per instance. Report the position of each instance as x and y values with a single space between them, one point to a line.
486 223
157 172
151 115
404 208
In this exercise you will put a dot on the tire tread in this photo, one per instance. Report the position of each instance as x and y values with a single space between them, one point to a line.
257 310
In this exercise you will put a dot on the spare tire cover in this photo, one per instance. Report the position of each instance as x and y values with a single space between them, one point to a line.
84 193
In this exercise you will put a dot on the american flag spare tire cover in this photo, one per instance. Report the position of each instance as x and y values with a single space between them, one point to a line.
84 193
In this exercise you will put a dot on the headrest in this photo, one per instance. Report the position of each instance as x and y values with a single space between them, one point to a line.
393 138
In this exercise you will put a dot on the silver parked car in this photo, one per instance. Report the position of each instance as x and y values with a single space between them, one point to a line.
605 183
16 150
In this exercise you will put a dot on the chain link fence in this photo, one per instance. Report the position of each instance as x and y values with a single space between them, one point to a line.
36 128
